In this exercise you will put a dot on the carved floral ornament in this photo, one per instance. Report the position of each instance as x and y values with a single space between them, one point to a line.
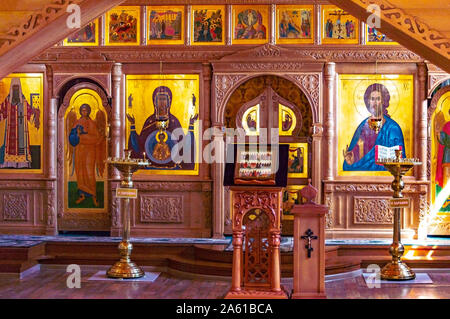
225 85
34 22
372 211
248 200
411 25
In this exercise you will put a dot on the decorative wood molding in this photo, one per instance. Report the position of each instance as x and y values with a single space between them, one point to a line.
26 184
329 216
159 186
231 53
161 209
372 210
115 211
351 187
91 221
50 208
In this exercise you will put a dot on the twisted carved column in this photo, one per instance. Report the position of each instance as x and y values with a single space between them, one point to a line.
330 79
422 118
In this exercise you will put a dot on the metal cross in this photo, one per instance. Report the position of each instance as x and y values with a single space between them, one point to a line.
309 236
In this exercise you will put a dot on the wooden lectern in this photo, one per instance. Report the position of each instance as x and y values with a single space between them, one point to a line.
256 207
309 247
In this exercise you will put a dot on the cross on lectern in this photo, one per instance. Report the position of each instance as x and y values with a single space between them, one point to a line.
309 236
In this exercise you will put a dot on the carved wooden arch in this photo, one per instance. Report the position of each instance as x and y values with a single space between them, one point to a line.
269 117
431 111
247 201
438 80
76 221
96 87
226 84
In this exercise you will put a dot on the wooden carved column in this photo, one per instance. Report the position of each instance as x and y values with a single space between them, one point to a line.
217 169
116 145
422 118
238 240
50 155
330 79
116 125
256 224
206 108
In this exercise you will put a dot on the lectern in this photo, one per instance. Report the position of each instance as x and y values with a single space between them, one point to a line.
256 180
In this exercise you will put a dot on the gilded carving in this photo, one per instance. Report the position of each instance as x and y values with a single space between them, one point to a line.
161 209
15 207
369 210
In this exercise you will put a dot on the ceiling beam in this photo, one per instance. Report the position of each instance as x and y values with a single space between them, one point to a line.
44 29
405 28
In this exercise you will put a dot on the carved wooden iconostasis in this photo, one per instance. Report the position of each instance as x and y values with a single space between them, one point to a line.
292 67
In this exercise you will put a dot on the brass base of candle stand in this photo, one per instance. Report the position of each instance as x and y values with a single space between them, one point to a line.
125 270
397 271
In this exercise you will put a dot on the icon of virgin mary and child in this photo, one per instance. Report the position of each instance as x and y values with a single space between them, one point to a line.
162 138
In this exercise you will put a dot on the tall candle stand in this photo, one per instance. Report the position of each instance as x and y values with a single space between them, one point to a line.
396 269
125 268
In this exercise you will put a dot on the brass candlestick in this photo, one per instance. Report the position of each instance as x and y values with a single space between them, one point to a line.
125 268
396 269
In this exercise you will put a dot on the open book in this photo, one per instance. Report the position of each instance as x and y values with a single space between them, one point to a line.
383 152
